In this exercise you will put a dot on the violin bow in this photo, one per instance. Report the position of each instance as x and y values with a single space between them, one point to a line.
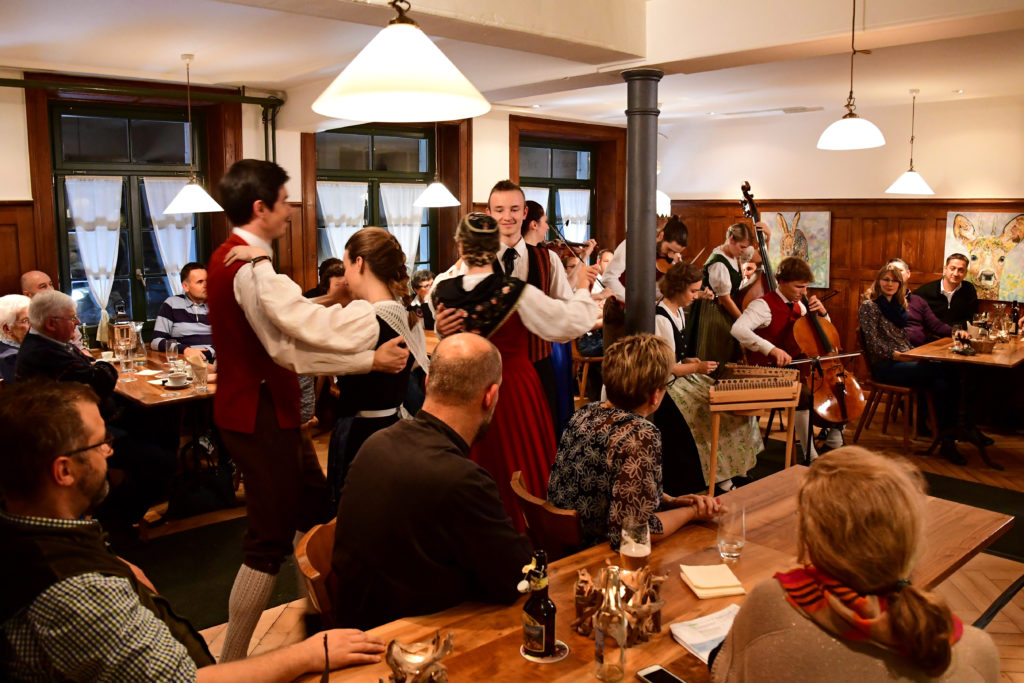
694 259
561 238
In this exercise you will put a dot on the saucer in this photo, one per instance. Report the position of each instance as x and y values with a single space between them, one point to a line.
168 385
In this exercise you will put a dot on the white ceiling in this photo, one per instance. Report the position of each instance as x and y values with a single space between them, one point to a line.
272 49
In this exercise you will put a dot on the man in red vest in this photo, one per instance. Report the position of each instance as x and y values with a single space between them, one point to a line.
767 324
266 331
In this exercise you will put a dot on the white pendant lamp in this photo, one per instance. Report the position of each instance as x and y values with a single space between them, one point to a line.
436 194
911 181
192 198
401 76
851 131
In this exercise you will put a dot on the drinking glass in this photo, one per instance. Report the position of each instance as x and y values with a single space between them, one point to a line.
635 548
172 353
732 532
124 357
199 373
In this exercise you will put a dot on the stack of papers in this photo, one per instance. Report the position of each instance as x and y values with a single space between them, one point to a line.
701 636
711 580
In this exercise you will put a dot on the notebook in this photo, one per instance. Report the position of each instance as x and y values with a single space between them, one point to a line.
711 580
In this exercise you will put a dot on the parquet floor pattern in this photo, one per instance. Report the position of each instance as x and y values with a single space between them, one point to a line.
968 592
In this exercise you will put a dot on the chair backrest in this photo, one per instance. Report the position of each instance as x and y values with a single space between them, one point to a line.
551 528
313 555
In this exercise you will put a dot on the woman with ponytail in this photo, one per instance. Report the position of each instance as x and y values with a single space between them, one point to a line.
852 611
376 272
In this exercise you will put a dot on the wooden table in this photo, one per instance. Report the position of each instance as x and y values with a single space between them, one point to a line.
487 637
1005 355
142 392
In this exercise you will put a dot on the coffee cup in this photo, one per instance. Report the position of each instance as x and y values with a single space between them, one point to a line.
177 379
107 355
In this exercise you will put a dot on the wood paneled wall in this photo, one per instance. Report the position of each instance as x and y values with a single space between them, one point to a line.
865 234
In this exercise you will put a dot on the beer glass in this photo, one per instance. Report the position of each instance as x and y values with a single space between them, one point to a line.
635 548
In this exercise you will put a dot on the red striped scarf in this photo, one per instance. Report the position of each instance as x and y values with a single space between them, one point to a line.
842 611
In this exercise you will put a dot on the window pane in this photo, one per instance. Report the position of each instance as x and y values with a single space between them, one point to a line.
535 162
160 142
399 154
423 260
93 138
87 310
343 151
157 290
75 259
569 163
152 264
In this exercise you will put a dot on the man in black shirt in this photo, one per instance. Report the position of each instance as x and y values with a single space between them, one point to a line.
421 527
951 299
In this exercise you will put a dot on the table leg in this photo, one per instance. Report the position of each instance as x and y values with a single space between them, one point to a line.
790 432
716 419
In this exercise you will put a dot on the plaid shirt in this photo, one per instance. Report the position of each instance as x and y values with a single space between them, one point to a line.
89 627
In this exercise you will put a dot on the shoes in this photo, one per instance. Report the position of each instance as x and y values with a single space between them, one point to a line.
834 439
973 434
948 451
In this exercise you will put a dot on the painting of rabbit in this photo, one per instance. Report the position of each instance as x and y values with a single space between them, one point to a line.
989 240
805 235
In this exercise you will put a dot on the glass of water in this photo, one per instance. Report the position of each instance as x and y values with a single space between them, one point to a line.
124 357
172 353
732 532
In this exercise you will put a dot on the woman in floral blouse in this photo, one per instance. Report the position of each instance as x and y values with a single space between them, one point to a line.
883 329
608 466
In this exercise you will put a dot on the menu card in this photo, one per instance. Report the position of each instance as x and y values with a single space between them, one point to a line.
701 636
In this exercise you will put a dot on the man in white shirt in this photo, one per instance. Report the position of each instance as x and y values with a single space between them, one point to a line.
266 332
768 321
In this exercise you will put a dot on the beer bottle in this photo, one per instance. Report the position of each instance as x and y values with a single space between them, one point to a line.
610 631
539 610
1014 317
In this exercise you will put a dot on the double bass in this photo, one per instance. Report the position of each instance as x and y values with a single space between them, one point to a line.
837 396
764 282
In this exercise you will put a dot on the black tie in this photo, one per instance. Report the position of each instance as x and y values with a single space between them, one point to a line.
509 259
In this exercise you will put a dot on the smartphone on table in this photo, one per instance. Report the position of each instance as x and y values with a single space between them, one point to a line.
658 674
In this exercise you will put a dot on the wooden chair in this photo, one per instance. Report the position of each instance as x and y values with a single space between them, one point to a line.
555 530
580 368
313 555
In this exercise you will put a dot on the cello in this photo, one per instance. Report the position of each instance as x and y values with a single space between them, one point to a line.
837 396
765 281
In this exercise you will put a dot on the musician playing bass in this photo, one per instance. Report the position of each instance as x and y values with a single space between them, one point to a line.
723 277
766 326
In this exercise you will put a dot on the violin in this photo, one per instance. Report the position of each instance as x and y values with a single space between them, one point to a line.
566 251
838 397
765 281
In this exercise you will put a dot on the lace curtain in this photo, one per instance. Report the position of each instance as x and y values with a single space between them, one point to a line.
539 195
173 232
95 204
343 207
404 219
575 212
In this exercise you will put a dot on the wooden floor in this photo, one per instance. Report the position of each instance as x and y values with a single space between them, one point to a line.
968 592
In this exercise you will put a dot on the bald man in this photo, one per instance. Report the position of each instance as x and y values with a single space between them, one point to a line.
35 281
420 526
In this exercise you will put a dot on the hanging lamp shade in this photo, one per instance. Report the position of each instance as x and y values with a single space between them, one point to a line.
436 195
911 181
851 132
192 199
401 76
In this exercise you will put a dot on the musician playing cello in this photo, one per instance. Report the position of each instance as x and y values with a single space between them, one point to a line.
766 326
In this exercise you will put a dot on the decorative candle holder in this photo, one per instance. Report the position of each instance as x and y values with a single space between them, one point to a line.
419 662
641 597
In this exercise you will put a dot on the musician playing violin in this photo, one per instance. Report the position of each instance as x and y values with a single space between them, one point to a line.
766 326
671 242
